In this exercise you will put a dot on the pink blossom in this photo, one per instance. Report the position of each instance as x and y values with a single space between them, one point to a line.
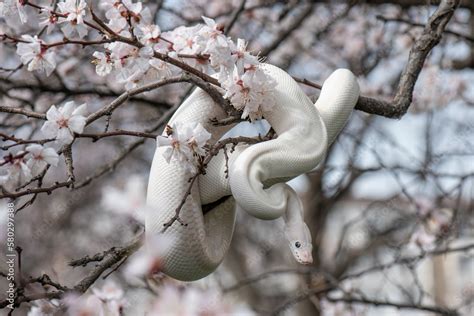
186 142
14 170
74 20
63 123
103 63
12 7
48 19
250 92
34 53
40 157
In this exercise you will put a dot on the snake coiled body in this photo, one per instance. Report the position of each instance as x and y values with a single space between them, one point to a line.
256 173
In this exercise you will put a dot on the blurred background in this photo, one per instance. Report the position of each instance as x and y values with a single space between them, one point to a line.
390 208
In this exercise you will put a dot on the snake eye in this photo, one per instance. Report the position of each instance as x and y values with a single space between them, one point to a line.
297 244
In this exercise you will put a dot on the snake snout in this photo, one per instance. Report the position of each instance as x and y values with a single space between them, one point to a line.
305 257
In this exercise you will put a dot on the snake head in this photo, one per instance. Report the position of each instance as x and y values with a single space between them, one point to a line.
302 251
299 239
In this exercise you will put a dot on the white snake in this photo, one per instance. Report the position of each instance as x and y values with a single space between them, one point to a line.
304 133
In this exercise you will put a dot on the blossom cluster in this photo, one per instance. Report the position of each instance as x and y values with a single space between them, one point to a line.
61 124
32 50
22 166
186 144
33 53
204 47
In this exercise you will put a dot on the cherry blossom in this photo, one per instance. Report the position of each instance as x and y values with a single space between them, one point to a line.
39 157
120 53
242 58
184 39
49 19
198 140
119 11
15 170
162 68
207 49
136 68
63 123
250 92
177 141
35 54
132 66
103 63
186 142
149 34
74 22
213 41
12 7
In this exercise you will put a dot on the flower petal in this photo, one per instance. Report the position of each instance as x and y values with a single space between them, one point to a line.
76 123
81 110
50 129
64 136
53 114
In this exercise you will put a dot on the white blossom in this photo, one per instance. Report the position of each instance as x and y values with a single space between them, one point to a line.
136 67
48 19
162 68
14 170
120 53
215 43
35 54
103 63
74 20
184 41
198 140
250 92
119 11
12 7
39 157
186 143
149 33
242 58
63 123
177 141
